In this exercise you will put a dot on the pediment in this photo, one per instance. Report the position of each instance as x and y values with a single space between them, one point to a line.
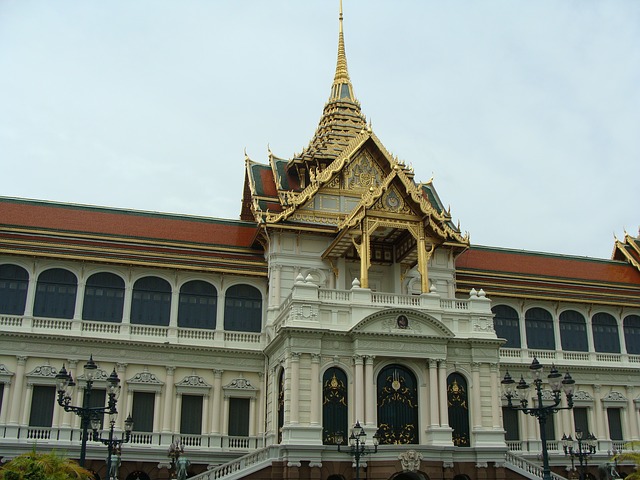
402 322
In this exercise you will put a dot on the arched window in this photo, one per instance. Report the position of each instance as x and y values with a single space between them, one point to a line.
573 331
151 302
398 406
458 401
198 305
334 405
55 294
243 309
507 325
539 326
103 298
14 281
632 334
605 333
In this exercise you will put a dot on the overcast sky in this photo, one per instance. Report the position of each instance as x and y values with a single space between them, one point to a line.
527 113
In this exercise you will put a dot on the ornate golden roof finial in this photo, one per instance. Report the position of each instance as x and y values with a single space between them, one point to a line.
342 88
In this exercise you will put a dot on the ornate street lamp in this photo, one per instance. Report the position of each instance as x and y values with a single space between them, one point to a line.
114 445
357 447
586 446
541 411
65 385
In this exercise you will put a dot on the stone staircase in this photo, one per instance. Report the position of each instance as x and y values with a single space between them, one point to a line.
255 461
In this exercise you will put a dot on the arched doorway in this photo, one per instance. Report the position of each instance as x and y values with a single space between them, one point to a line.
397 405
410 476
138 475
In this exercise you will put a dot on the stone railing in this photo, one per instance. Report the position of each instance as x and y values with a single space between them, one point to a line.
560 357
527 468
132 332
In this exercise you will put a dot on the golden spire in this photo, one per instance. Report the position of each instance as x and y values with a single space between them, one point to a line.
341 88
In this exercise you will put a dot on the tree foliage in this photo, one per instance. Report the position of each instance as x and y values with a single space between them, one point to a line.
632 455
43 466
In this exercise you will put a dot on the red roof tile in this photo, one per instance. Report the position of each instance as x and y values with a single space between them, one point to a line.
126 223
546 265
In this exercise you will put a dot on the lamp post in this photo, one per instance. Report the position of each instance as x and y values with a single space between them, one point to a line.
586 446
113 444
357 447
65 385
541 411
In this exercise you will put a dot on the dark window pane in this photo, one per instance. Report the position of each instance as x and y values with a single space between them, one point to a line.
510 422
398 406
507 325
239 417
243 309
198 305
98 398
151 303
14 281
191 414
550 429
632 334
1 395
539 326
103 298
580 419
605 333
142 411
55 294
573 331
42 403
615 424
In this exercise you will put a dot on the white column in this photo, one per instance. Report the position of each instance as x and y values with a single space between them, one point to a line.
167 412
225 415
217 397
495 400
17 398
294 412
31 295
27 404
632 413
359 389
252 416
177 414
315 389
602 431
442 393
206 426
370 394
475 395
123 405
77 314
277 285
4 405
175 302
434 419
126 309
156 408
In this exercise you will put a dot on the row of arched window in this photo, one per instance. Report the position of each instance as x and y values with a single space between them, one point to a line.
150 304
540 330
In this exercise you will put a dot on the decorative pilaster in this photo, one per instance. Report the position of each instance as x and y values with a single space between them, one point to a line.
294 414
217 397
434 419
315 389
475 397
17 399
168 400
370 394
442 393
359 387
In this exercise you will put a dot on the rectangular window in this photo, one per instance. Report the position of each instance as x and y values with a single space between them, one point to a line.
97 399
1 395
550 429
510 423
580 420
239 417
191 415
615 424
142 411
42 403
